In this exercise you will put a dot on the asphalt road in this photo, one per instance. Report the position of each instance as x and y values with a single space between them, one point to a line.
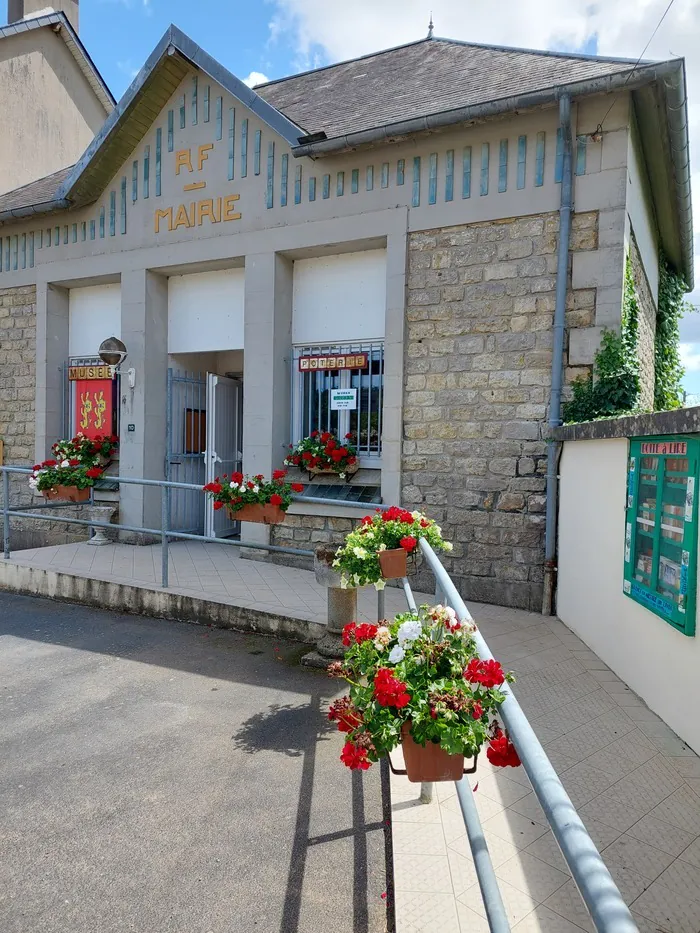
159 777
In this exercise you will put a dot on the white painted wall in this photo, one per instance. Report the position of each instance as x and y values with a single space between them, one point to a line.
205 311
94 313
339 298
658 663
640 213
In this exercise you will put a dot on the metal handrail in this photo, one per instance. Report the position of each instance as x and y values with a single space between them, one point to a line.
600 894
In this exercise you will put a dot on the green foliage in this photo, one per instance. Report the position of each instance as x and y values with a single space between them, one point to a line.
668 371
613 388
421 669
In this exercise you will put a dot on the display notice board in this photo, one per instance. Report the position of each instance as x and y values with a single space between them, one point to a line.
661 528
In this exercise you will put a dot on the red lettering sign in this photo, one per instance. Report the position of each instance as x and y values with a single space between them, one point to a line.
332 361
665 448
94 406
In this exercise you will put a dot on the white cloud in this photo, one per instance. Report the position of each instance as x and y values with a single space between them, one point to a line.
337 31
690 356
255 77
128 68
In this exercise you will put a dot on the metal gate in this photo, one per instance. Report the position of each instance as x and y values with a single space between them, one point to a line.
186 440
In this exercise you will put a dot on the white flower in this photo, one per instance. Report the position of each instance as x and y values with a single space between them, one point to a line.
341 475
356 579
379 584
382 547
336 563
396 654
233 485
382 638
65 463
417 515
359 552
32 482
438 529
408 632
255 489
447 545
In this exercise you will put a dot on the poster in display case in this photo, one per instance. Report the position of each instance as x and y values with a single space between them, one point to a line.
661 528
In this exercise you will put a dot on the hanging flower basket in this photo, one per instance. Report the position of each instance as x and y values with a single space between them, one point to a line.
429 762
393 563
67 493
262 514
417 681
253 500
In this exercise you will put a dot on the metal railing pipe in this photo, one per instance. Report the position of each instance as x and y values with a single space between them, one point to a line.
6 514
490 891
600 894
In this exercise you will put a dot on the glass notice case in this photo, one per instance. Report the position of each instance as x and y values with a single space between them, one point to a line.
661 528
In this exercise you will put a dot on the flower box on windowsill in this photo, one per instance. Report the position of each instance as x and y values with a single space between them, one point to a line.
67 493
348 472
262 514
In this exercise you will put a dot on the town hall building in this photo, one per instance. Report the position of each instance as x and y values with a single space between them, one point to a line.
388 225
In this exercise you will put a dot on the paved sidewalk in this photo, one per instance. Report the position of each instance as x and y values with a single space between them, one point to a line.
212 571
634 783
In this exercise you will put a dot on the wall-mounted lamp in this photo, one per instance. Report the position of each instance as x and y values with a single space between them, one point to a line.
113 352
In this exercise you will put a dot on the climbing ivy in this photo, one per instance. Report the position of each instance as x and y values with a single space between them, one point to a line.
613 387
668 371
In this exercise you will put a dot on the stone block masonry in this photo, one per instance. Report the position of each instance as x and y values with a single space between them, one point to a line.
479 321
646 327
17 411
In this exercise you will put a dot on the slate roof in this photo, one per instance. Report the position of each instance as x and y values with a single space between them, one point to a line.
422 78
41 191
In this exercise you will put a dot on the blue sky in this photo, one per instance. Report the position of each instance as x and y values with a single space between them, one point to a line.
121 34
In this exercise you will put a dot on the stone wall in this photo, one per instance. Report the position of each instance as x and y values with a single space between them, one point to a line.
480 311
646 326
17 420
307 532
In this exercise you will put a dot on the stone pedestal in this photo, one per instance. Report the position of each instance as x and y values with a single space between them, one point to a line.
342 609
99 513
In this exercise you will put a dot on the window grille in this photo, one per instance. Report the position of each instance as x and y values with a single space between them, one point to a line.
311 407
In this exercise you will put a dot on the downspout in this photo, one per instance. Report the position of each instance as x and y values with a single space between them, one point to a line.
550 539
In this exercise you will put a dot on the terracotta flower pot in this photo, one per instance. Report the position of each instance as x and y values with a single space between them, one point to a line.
67 493
393 563
429 763
262 514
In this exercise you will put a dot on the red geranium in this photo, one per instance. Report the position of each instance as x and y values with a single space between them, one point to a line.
344 713
389 690
307 455
93 473
477 711
50 463
325 437
297 487
487 673
358 633
336 456
213 487
279 474
313 434
355 758
408 543
236 477
501 751
74 462
218 505
275 499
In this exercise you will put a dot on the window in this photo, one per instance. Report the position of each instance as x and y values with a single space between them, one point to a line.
313 406
661 528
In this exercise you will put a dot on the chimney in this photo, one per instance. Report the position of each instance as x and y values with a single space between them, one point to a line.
18 10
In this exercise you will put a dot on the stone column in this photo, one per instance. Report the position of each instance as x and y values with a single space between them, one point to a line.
144 326
266 369
51 356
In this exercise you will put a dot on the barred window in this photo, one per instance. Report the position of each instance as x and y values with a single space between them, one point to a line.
311 408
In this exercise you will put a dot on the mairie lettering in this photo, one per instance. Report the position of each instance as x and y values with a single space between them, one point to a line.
196 213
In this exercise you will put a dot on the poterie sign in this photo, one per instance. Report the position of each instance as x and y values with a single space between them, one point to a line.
663 448
342 361
89 372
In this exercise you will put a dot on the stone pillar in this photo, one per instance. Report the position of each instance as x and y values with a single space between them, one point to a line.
266 369
392 416
144 326
51 356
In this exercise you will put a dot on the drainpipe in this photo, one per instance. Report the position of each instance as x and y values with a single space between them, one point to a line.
550 540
